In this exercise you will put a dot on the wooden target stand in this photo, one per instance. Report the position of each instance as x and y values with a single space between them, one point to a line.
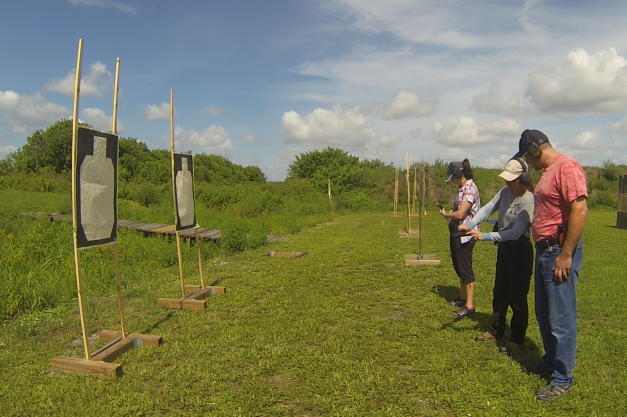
395 213
408 232
332 222
97 363
286 254
421 258
194 296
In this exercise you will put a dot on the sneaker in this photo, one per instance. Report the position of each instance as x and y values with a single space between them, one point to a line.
486 337
509 348
458 302
463 312
553 392
535 370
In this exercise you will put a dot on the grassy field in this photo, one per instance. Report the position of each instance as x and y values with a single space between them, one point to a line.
347 330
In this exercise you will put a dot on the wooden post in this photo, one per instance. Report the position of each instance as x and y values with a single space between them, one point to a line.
77 255
178 237
116 256
413 209
621 212
202 279
408 198
331 201
395 189
422 208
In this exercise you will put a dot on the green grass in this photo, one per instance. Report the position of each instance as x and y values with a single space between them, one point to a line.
345 330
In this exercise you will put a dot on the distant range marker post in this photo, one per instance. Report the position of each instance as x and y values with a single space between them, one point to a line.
421 258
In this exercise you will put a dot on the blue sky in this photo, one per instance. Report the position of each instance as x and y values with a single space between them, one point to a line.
260 82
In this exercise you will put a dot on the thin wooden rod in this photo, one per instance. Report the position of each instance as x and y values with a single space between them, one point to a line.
202 279
116 255
178 237
77 255
331 201
408 197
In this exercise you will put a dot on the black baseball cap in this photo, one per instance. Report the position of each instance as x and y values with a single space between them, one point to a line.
528 138
452 168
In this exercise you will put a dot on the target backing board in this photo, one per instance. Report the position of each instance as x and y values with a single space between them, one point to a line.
184 191
96 176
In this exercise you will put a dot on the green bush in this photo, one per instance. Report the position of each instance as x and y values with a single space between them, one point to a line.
145 193
601 199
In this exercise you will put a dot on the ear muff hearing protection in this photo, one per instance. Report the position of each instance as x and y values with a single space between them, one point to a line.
457 174
525 178
534 150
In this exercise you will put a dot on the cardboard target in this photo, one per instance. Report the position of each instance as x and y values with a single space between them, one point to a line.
184 187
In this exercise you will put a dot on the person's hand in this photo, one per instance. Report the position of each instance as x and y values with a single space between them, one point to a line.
561 270
476 235
443 212
463 228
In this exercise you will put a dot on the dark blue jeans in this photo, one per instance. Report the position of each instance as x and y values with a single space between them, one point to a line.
556 312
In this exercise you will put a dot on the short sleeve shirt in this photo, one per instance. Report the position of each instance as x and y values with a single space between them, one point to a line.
561 183
468 192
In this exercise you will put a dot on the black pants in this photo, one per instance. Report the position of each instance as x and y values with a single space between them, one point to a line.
514 265
461 255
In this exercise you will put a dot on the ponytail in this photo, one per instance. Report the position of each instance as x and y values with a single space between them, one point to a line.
466 170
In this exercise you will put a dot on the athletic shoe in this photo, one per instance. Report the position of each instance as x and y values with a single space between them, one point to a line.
553 392
458 302
509 348
463 312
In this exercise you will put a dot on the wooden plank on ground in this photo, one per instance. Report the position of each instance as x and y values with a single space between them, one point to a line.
85 366
164 229
287 254
193 304
116 350
422 262
174 303
147 339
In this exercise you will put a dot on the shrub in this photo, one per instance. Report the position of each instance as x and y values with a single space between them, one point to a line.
145 194
602 199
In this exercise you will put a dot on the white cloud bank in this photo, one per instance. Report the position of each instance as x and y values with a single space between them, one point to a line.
347 129
492 102
249 138
25 114
408 104
583 83
93 84
464 132
157 112
213 140
103 3
100 121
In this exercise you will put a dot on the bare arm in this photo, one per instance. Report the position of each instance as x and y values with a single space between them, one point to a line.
576 223
459 214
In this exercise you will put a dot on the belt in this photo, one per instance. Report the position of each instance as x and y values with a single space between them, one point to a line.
547 243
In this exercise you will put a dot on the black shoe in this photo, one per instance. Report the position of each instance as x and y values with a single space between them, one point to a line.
458 302
553 392
463 312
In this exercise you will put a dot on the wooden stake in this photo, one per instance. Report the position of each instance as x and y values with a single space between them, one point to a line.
202 280
395 189
413 208
116 256
331 201
422 208
178 237
408 198
77 256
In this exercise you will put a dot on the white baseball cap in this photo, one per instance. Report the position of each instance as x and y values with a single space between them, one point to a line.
513 170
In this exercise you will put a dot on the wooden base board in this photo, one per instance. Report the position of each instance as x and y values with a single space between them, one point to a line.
195 300
396 216
332 223
414 260
412 234
287 254
85 366
99 364
211 290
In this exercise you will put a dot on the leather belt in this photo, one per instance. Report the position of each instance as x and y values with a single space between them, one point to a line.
547 243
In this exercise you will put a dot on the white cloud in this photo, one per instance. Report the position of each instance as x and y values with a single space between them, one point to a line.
347 129
157 112
213 140
492 103
249 138
416 133
458 154
92 85
408 104
6 149
213 110
464 132
100 121
103 3
496 162
583 83
620 127
586 141
25 114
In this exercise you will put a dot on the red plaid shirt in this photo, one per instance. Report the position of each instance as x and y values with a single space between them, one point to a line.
561 183
469 192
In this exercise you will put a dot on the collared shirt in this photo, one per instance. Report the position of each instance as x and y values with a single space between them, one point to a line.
468 192
562 182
